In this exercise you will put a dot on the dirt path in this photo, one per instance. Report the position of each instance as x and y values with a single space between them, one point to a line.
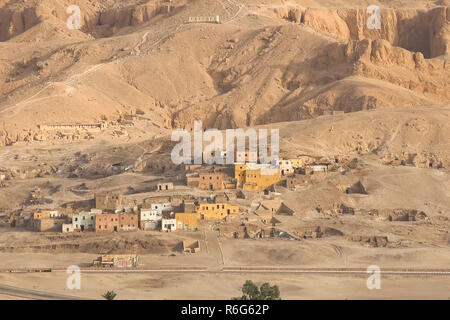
214 247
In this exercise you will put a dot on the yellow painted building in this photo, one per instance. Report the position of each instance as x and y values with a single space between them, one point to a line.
216 211
260 179
256 177
297 163
41 215
301 161
187 221
239 174
45 214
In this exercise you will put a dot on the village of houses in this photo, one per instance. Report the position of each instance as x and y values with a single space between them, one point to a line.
169 211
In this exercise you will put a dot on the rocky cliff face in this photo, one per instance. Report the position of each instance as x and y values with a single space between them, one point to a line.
425 31
96 19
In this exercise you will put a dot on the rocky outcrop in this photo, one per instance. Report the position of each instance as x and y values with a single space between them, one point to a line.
420 160
370 241
357 188
14 19
425 31
313 232
13 23
402 215
341 208
377 59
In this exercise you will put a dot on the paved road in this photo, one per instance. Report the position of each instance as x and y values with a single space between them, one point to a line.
33 294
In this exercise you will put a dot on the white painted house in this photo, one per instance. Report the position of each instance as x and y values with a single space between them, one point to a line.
84 221
150 219
160 207
286 168
67 227
319 168
169 224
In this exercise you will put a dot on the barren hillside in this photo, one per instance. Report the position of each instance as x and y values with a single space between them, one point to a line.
265 62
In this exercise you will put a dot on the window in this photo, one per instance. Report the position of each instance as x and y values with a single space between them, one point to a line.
99 227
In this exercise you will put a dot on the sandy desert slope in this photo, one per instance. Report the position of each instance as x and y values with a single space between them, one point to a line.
264 63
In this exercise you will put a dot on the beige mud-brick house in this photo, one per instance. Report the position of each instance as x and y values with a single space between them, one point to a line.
206 181
108 201
48 224
67 227
211 181
164 186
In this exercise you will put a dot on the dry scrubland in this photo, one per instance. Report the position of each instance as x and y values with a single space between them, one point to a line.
139 68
